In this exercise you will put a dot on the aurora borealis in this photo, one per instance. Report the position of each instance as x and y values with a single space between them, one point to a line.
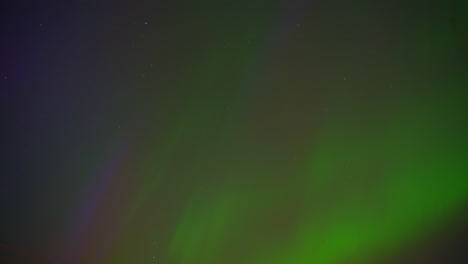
222 132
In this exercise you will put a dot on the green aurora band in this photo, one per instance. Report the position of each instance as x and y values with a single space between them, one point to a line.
268 164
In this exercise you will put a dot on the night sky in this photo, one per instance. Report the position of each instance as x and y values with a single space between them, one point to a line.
234 132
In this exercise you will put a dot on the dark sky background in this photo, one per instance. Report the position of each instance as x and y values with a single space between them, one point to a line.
273 132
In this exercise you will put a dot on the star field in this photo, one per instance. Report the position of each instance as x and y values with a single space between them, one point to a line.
276 132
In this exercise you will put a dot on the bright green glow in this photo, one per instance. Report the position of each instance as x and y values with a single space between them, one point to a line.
367 193
418 189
